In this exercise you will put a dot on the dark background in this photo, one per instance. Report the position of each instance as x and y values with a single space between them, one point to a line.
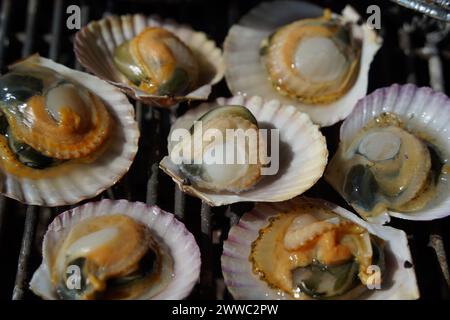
40 26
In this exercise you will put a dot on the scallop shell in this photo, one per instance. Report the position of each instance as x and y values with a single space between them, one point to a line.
173 233
423 111
303 152
96 42
244 284
245 74
84 180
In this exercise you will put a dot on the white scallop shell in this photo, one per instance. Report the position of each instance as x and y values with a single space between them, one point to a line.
422 110
96 42
246 75
84 180
244 284
303 152
181 243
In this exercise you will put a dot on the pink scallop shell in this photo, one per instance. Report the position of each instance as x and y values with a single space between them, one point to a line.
181 243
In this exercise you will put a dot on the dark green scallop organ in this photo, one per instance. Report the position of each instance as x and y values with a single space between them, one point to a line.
72 288
15 90
321 281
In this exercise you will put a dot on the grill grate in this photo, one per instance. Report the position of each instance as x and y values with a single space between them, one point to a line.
416 49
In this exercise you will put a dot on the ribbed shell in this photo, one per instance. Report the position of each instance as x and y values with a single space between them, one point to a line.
182 245
303 152
83 180
423 111
244 284
95 45
245 74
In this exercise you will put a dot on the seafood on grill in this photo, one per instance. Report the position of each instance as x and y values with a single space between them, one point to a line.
117 250
158 62
255 157
152 60
314 60
55 122
236 176
392 160
311 249
303 55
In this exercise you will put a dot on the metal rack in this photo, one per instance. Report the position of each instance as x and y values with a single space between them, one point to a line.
33 25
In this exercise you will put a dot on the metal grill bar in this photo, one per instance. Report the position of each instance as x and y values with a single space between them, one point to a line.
138 108
4 23
44 216
206 276
437 244
25 252
30 27
155 116
56 29
179 196
152 185
180 202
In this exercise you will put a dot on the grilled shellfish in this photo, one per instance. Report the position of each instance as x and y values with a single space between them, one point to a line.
284 157
158 62
392 161
314 60
53 127
116 250
48 117
117 258
152 60
310 249
301 54
199 165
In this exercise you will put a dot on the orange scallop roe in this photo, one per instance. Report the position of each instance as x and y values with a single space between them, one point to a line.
70 138
329 251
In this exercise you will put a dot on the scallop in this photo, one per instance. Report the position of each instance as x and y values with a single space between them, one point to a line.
57 126
313 60
307 248
116 256
116 250
302 55
54 116
155 61
158 62
204 170
239 149
393 161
